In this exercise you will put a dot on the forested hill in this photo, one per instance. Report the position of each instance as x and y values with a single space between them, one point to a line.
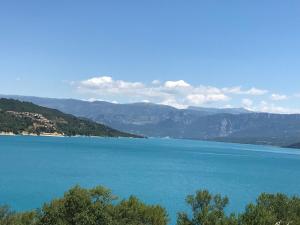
27 118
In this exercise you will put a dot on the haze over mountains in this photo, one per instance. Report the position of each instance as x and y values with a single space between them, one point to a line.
152 120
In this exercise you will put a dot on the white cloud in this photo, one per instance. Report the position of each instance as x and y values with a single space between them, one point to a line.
177 84
177 93
228 106
232 90
199 99
267 107
108 82
277 97
97 82
247 103
256 91
155 82
239 91
196 99
271 108
93 99
173 102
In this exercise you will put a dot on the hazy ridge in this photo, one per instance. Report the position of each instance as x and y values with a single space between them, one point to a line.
229 125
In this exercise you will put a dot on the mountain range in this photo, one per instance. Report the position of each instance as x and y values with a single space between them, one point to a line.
153 120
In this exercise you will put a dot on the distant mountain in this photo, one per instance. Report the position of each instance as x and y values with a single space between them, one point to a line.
27 118
297 145
221 110
229 125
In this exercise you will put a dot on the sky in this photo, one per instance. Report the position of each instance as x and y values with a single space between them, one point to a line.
231 53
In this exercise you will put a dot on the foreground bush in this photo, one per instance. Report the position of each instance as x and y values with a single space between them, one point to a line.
7 217
88 207
208 209
276 209
99 207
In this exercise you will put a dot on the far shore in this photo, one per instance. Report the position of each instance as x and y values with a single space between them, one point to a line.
53 135
32 134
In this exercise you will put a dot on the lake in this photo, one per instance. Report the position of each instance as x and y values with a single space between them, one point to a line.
33 170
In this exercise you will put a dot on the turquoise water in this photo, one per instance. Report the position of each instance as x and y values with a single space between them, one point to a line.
34 170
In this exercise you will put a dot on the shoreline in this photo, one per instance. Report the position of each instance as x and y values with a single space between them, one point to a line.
32 134
3 134
164 138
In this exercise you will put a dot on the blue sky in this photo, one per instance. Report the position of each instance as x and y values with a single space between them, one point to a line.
216 53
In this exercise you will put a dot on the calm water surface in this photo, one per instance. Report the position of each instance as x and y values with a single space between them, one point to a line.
34 170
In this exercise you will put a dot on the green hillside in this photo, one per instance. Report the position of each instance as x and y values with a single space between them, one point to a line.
23 117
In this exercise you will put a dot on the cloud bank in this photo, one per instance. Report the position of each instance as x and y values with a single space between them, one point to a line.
277 97
176 93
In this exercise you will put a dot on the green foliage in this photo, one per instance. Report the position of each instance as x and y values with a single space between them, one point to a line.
270 209
98 206
8 217
78 206
207 209
95 206
134 212
273 209
5 215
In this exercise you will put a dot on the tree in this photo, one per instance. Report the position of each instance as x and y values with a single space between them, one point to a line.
79 207
134 212
8 217
207 209
271 209
5 215
95 207
98 206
